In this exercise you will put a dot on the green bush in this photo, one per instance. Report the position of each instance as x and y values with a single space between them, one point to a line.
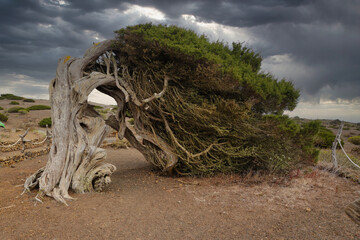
212 114
14 103
3 118
14 109
28 100
23 111
11 97
38 107
44 122
1 108
325 138
354 140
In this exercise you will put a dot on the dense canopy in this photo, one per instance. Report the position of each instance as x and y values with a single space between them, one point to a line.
214 105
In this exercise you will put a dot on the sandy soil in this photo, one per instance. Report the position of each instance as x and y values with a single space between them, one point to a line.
140 204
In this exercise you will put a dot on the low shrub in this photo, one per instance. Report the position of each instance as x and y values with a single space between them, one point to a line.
28 100
38 107
14 103
3 117
14 109
1 108
23 111
44 122
324 138
354 140
11 96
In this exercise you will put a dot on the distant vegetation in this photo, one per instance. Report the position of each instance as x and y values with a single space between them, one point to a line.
23 111
14 103
9 96
3 117
39 107
14 109
1 108
354 140
35 107
44 122
325 138
28 100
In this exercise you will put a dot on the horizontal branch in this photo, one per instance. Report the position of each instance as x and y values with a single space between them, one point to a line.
158 95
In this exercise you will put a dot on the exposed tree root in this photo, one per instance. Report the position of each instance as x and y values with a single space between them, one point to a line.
353 211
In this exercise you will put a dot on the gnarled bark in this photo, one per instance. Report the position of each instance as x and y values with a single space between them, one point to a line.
76 159
353 211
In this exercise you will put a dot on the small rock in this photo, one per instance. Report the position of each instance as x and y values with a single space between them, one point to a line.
308 209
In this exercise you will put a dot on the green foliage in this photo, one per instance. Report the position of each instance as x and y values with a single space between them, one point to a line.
297 136
1 108
97 107
44 122
325 138
212 115
11 97
131 121
3 117
23 111
217 67
38 107
14 109
28 100
14 103
354 140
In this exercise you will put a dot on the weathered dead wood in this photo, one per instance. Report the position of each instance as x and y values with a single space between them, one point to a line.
353 211
76 159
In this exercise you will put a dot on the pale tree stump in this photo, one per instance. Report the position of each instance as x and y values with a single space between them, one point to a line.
76 160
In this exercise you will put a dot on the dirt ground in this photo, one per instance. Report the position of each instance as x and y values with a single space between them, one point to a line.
18 123
140 204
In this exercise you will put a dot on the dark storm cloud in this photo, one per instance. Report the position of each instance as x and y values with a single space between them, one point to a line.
320 37
323 35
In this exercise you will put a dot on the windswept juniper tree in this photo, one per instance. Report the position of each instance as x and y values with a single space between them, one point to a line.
199 108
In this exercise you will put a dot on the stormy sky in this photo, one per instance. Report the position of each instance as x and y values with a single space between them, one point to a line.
315 44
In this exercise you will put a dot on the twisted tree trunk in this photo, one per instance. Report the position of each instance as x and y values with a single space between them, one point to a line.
76 159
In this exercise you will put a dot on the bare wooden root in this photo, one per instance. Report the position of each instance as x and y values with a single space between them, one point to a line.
353 211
